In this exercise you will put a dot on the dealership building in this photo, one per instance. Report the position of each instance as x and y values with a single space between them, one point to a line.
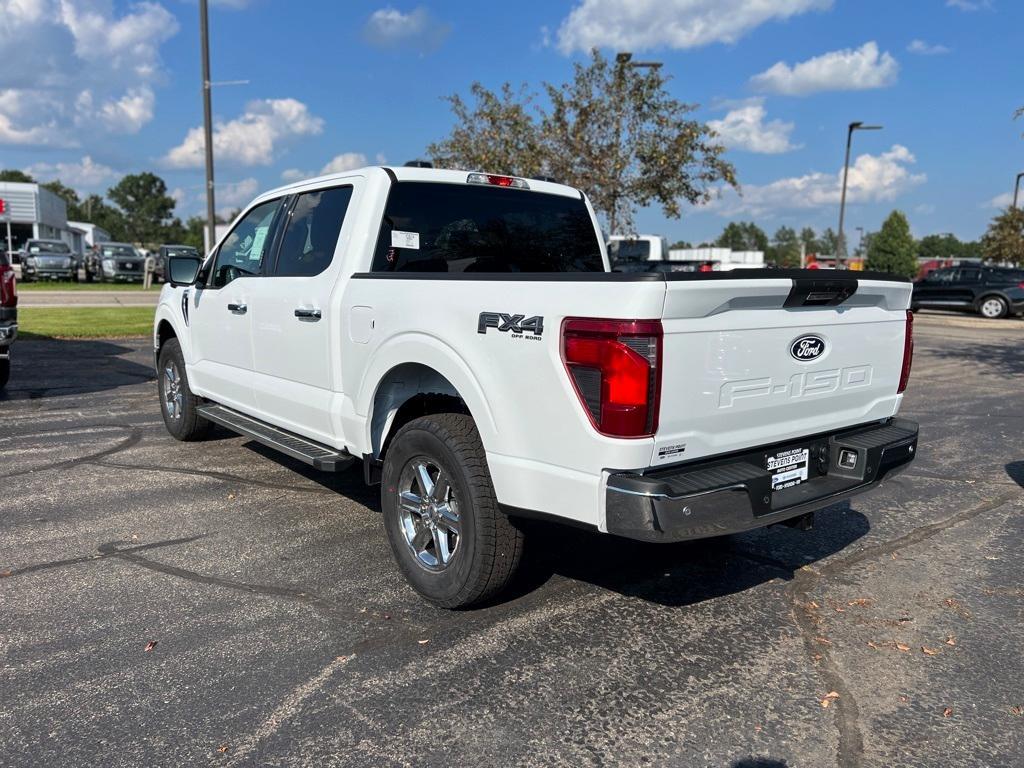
35 212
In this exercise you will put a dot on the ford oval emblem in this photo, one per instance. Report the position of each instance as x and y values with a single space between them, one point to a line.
807 348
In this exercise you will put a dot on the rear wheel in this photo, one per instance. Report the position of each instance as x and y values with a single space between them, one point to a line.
452 543
177 403
993 307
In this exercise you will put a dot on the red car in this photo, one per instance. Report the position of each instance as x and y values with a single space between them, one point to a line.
8 316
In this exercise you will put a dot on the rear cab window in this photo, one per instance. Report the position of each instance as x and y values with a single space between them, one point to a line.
446 227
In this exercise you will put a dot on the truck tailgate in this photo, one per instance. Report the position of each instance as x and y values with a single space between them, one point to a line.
749 362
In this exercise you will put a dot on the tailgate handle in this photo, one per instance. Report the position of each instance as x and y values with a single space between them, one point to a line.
814 292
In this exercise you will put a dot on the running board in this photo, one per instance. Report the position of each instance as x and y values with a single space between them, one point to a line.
315 454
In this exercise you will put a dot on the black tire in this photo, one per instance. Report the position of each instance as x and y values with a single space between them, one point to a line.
184 423
488 547
5 372
999 307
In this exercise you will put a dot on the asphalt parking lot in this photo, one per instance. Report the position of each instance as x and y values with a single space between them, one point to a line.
216 604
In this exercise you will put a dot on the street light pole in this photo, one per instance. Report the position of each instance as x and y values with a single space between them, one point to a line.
1016 189
204 33
840 238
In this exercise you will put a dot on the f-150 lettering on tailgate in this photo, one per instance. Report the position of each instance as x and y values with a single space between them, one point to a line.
807 384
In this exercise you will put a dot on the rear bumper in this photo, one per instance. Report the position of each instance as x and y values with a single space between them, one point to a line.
723 496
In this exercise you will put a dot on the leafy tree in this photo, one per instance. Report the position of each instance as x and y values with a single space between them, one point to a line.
497 134
613 131
147 208
828 243
680 244
1004 240
743 236
785 248
10 174
940 247
892 248
95 210
810 240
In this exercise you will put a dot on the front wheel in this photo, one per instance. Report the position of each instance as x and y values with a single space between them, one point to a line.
993 307
177 403
450 539
5 371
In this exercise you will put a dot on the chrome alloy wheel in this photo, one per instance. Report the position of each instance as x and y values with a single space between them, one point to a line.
992 308
429 514
174 398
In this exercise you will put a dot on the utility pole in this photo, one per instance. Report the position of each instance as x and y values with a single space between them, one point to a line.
204 34
840 239
624 61
1016 189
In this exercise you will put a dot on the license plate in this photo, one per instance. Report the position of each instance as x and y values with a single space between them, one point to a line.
788 468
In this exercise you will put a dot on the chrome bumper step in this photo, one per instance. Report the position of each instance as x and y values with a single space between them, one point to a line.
320 456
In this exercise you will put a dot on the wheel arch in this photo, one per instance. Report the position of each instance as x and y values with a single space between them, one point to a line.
405 392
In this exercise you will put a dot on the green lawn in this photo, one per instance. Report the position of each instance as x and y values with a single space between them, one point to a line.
51 285
84 322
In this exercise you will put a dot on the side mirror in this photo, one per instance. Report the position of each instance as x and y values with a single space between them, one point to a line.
183 270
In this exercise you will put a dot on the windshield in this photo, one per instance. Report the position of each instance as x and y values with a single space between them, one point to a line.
118 250
437 227
41 247
629 250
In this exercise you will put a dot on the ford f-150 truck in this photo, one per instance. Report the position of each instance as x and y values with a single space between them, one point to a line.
462 336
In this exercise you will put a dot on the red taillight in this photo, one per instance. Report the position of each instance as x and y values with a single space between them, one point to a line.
615 368
1021 285
8 286
497 181
908 352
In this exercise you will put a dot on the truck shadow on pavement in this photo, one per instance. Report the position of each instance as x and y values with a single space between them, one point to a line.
677 574
688 572
1015 470
43 368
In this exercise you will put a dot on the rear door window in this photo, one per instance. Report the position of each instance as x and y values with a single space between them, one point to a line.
438 227
311 233
969 275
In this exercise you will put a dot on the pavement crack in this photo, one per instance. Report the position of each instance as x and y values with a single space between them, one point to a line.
96 557
133 439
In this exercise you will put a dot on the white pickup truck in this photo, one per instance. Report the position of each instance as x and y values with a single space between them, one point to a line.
461 335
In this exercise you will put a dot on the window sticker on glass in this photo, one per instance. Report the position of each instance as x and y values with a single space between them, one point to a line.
405 239
256 249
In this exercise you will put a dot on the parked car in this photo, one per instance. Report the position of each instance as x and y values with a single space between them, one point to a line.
114 262
48 260
462 335
992 292
8 316
166 251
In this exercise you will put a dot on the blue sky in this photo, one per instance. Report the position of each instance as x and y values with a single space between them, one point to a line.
93 89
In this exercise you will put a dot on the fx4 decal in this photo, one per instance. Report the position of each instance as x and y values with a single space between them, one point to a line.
518 325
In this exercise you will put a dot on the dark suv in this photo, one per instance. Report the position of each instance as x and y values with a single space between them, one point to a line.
8 316
992 292
166 251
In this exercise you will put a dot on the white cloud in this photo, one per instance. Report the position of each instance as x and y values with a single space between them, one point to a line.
417 30
636 25
969 5
83 174
873 178
926 49
291 175
745 128
846 70
925 209
74 69
250 139
235 194
347 161
999 201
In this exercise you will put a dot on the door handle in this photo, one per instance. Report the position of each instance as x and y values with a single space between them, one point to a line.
238 309
308 314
